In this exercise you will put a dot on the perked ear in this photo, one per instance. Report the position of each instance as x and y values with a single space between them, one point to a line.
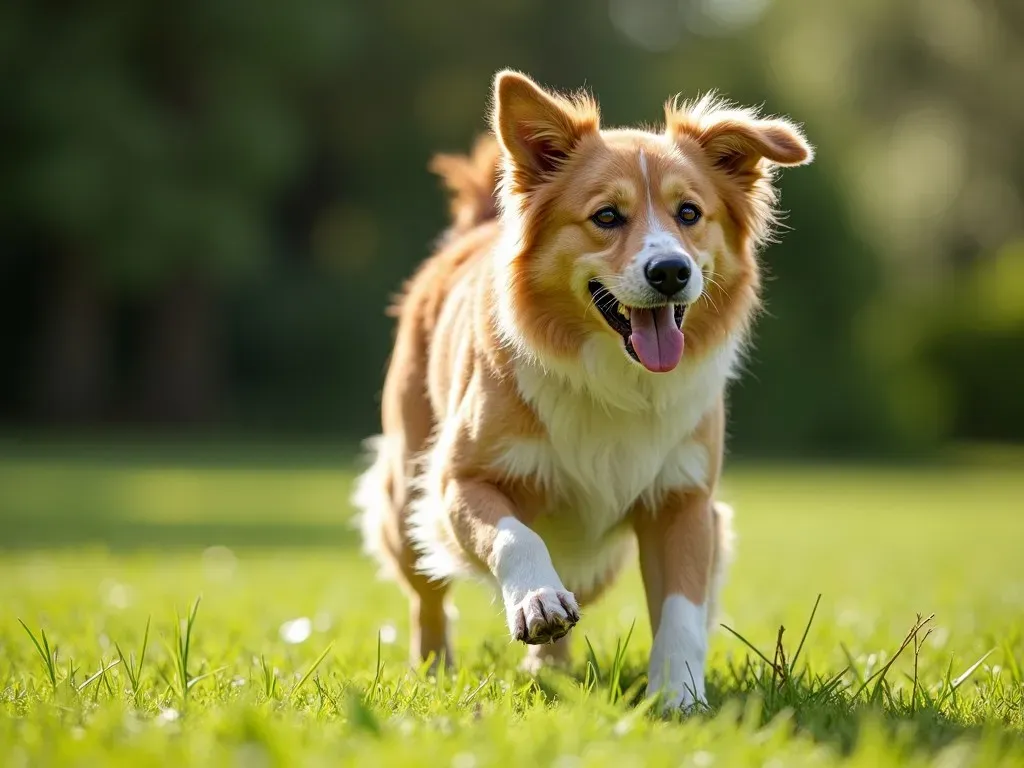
736 139
538 130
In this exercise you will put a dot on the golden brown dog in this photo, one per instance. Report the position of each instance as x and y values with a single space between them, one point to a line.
555 396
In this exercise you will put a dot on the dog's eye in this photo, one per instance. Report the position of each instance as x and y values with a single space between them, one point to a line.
608 218
688 214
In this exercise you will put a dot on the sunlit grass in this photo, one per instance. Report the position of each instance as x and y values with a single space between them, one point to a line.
295 654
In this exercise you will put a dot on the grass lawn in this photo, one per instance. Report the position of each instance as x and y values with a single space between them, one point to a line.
297 654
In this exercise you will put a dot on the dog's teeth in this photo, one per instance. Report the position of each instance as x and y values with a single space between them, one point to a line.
623 311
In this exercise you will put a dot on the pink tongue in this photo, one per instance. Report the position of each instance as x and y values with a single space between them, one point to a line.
656 338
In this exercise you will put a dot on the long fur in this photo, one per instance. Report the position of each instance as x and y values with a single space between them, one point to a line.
521 440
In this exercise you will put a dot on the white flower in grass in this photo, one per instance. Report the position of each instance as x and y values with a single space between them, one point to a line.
406 727
297 630
116 595
219 563
168 715
388 634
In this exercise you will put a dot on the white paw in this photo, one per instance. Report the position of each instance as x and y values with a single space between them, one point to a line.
678 656
542 616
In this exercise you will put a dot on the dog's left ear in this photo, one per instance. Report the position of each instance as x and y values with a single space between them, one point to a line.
735 139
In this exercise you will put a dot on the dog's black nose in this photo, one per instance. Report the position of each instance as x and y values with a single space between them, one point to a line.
668 275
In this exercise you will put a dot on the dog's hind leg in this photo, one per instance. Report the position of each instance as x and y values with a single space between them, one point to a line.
721 557
385 494
381 494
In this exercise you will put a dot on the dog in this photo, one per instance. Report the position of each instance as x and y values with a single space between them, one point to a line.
555 396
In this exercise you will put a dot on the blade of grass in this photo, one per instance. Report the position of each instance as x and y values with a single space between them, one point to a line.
199 678
312 669
134 672
749 645
803 638
614 688
883 670
43 648
476 692
182 649
325 694
592 657
1010 662
951 688
98 674
918 644
780 667
830 685
379 670
852 663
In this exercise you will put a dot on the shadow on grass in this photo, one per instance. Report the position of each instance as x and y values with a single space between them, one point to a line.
120 535
829 717
178 450
838 720
85 496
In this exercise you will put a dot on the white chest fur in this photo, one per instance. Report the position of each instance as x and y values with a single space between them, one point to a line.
614 433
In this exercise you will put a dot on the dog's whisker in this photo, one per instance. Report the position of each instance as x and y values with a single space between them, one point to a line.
601 294
711 301
706 295
709 278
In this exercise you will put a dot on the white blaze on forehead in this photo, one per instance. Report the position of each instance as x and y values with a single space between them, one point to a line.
657 235
631 288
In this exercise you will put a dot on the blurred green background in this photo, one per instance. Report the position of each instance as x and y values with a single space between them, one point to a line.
205 208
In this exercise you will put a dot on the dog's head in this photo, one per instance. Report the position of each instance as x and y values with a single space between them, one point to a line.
646 240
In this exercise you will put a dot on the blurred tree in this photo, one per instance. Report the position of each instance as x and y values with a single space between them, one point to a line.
204 211
146 154
973 348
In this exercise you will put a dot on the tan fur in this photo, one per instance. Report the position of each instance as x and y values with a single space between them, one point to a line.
508 291
681 537
472 182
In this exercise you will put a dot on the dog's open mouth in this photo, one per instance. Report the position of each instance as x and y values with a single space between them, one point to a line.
653 335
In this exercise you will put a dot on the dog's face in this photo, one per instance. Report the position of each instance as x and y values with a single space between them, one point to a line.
645 240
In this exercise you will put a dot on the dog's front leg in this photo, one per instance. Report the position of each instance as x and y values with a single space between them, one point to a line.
538 607
676 542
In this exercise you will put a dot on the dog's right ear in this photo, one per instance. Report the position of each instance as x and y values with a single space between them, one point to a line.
538 130
735 139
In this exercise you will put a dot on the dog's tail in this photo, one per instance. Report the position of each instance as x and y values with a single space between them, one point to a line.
472 181
725 543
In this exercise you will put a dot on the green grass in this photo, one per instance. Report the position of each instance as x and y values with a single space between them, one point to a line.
105 552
